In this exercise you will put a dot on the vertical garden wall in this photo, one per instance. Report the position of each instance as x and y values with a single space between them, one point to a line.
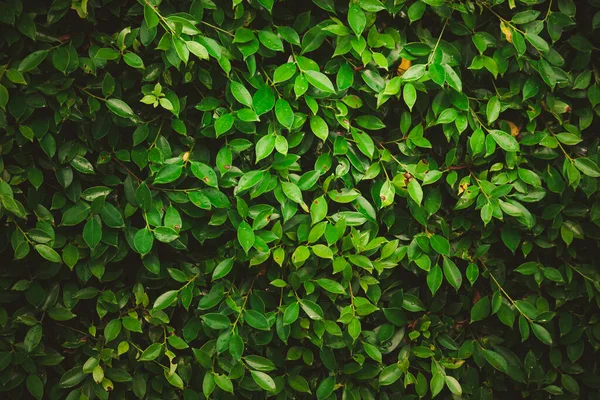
364 199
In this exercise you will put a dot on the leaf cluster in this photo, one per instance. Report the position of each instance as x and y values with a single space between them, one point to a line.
391 199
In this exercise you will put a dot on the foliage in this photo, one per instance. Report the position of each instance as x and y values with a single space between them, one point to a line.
295 199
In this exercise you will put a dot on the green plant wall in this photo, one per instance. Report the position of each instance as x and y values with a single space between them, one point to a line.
330 199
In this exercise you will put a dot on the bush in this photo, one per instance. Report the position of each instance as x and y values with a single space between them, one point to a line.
293 199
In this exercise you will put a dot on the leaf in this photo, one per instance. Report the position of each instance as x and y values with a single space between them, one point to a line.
120 108
32 60
92 232
364 143
133 60
35 386
151 352
197 49
224 123
284 72
495 360
245 236
326 388
481 309
263 100
369 122
270 40
434 279
356 19
72 378
452 273
48 253
505 140
292 192
319 81
224 382
587 166
415 191
205 173
143 241
222 269
241 94
112 330
390 375
263 380
284 113
331 286
164 300
319 127
542 334
312 309
33 338
453 385
493 109
256 320
440 244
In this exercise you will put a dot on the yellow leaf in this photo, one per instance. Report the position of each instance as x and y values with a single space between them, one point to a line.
506 31
404 65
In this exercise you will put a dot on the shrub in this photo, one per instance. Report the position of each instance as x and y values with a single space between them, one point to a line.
294 199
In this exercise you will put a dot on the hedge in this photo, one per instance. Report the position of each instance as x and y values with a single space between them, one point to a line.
364 199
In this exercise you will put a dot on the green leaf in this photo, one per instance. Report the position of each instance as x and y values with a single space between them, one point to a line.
242 94
481 309
143 241
326 388
505 140
390 375
331 286
356 19
197 49
133 60
33 338
256 320
493 109
32 60
312 309
319 127
440 244
263 380
452 273
245 236
35 386
284 113
319 81
224 123
369 122
224 382
205 173
222 269
112 330
71 378
265 146
284 72
453 385
495 360
270 40
263 100
151 352
120 108
587 166
92 232
48 253
164 300
434 279
542 334
415 191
